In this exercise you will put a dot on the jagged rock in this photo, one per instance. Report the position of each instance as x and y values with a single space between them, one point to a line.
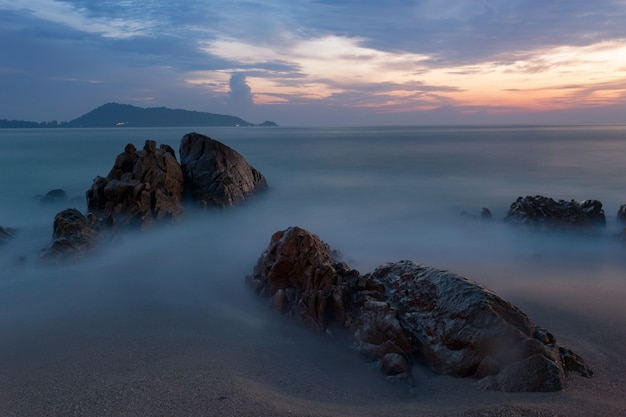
300 277
142 187
456 324
544 213
216 175
73 237
404 312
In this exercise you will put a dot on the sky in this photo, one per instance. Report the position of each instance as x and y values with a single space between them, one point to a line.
319 62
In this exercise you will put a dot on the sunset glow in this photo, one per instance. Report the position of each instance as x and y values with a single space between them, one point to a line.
540 80
472 57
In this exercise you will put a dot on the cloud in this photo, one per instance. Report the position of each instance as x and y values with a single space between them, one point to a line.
456 32
240 92
390 56
74 17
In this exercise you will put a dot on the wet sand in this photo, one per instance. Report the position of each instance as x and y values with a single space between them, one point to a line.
126 350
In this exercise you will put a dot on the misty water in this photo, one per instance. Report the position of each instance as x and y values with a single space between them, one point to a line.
376 194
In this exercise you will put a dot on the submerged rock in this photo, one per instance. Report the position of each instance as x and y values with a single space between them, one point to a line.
56 196
141 188
6 234
544 213
216 175
73 237
485 214
621 214
404 313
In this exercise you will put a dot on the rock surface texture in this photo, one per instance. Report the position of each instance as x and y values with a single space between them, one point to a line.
404 313
142 187
300 277
544 213
73 237
216 175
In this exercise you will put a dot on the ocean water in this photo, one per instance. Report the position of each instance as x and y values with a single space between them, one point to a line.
376 194
387 192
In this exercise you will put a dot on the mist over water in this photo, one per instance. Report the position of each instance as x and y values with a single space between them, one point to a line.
375 194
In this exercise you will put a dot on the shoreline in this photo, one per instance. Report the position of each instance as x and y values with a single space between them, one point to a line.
160 355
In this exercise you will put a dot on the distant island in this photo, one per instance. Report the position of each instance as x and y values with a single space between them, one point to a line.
125 115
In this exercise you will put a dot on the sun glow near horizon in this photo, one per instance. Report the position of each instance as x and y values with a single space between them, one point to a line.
333 66
319 62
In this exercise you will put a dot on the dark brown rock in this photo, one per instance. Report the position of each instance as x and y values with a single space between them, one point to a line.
141 188
404 312
297 273
216 175
455 321
461 328
544 213
535 373
73 237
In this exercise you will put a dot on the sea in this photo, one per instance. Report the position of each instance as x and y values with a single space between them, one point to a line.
375 194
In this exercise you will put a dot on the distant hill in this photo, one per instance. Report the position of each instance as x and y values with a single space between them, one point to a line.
120 115
114 114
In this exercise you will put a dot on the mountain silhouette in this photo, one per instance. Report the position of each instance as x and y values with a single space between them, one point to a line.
115 114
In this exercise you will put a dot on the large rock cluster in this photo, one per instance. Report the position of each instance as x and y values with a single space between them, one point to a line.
404 313
544 213
145 187
141 187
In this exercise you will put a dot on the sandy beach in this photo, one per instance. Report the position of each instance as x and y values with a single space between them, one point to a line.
116 348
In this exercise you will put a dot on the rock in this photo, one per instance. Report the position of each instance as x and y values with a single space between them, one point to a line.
485 214
461 328
54 197
535 373
216 175
6 234
297 273
544 213
73 237
141 188
621 214
404 313
456 321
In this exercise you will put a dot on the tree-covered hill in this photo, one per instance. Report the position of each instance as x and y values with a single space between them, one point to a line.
114 114
120 115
